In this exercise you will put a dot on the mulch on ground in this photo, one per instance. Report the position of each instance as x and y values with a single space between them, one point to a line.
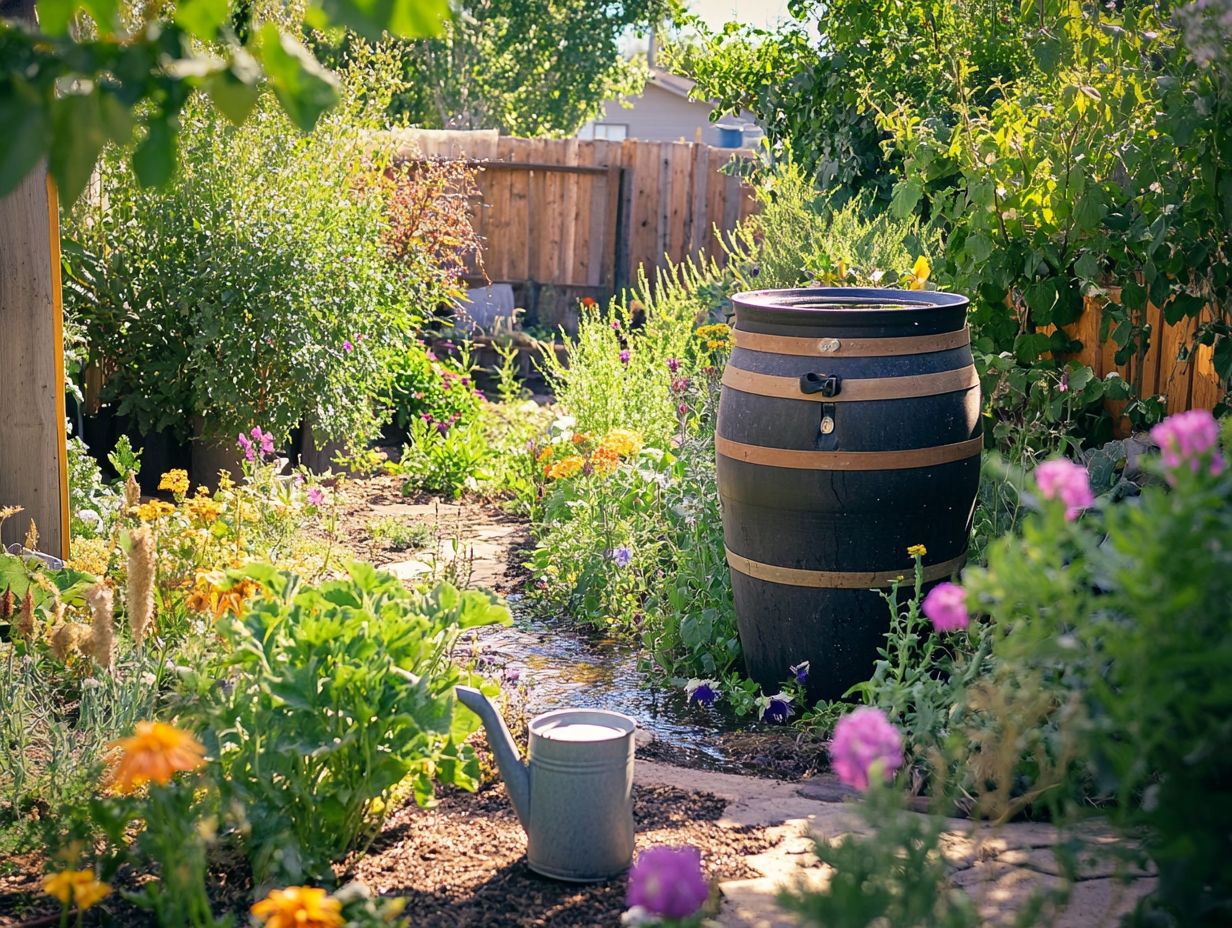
463 863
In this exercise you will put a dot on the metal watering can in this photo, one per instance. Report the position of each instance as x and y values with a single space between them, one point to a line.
574 796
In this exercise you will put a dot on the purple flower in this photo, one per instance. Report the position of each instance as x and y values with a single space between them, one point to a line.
946 607
316 496
1064 480
680 385
346 345
615 325
246 446
865 743
702 692
264 439
682 409
800 671
431 356
776 708
511 674
1189 438
668 882
622 556
624 356
1063 386
673 365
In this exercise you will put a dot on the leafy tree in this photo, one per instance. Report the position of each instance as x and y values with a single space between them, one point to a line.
92 72
526 67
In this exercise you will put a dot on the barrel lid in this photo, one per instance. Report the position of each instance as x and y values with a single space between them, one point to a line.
852 306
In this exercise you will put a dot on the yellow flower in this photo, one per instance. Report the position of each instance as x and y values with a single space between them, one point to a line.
604 461
920 272
545 455
917 551
154 510
622 441
566 467
175 481
154 754
299 907
210 595
202 509
76 886
90 555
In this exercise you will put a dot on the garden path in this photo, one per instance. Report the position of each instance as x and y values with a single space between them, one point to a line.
1001 869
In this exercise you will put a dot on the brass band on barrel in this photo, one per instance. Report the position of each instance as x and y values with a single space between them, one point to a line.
851 347
837 579
848 460
854 390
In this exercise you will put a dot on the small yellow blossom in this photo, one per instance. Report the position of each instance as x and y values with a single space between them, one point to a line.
715 336
604 461
545 455
299 907
154 510
917 551
202 509
79 887
623 442
154 754
566 467
175 482
920 273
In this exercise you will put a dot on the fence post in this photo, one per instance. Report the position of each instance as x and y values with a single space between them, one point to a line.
33 458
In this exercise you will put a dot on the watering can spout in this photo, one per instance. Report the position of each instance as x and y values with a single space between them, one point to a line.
513 771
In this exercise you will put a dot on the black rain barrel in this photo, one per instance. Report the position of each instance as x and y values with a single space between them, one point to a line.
848 431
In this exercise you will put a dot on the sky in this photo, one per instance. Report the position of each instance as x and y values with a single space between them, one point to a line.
753 12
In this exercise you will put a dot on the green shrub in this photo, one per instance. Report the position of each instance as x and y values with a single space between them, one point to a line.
441 458
331 696
434 389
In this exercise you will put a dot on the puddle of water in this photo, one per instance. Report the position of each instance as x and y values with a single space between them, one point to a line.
561 665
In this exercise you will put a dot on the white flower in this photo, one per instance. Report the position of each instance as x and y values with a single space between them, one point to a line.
148 678
89 516
637 916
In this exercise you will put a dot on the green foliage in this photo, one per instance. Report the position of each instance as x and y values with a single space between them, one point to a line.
332 696
399 534
254 289
444 459
1120 620
895 876
526 67
95 72
92 502
432 388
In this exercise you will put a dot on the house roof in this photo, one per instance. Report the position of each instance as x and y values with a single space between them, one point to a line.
674 83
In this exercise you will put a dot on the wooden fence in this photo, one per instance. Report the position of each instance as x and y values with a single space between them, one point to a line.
582 216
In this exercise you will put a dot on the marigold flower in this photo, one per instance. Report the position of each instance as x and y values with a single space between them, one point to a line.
175 482
865 745
604 461
622 441
566 467
202 509
299 907
209 595
545 455
917 551
153 754
154 510
78 887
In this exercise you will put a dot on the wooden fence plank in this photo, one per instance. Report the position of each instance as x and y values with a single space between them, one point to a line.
1175 376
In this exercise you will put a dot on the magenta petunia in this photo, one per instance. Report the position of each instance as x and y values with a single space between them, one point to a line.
624 356
316 496
668 882
1189 438
246 446
946 607
865 744
1064 480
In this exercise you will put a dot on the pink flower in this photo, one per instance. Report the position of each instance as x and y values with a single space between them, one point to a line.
624 356
1064 480
946 607
246 446
316 496
1189 438
346 345
865 744
265 439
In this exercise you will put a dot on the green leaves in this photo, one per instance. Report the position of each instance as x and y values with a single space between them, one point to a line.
404 18
304 88
27 132
77 123
54 16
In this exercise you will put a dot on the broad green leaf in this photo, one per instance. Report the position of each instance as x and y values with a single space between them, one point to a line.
54 15
26 133
304 88
154 159
907 194
232 92
103 12
78 135
405 18
203 18
978 246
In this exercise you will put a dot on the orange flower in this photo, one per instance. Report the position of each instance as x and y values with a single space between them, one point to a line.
209 594
154 754
566 467
299 907
623 442
76 886
580 438
545 455
604 461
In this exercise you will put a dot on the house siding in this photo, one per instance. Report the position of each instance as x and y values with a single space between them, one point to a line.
662 116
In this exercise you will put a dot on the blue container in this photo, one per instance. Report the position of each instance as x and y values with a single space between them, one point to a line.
730 136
